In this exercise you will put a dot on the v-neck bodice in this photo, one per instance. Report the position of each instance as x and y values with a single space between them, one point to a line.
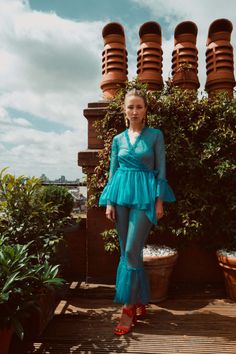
132 146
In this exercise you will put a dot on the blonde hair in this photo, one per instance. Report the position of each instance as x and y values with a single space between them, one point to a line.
138 93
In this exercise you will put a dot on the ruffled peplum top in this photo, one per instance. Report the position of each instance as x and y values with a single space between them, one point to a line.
137 175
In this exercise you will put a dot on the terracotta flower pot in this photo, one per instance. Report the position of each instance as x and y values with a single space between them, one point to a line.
219 58
185 56
149 66
39 318
114 59
5 339
228 264
159 269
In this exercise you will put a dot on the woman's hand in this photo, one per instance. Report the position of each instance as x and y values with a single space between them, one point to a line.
111 213
159 209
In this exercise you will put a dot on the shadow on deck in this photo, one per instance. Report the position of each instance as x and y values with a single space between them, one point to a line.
190 321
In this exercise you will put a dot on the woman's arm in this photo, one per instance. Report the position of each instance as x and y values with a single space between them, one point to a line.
159 208
110 212
160 166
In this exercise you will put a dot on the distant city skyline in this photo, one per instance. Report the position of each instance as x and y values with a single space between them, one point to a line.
51 68
62 179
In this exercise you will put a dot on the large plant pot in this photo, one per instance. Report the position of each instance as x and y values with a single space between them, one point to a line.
159 269
5 339
40 317
228 264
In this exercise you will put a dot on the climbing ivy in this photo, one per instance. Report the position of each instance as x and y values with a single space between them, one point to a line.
200 140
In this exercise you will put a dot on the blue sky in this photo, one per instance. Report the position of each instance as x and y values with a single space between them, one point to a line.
50 68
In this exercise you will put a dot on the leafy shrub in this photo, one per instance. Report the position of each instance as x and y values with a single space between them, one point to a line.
111 242
200 142
58 196
21 282
25 216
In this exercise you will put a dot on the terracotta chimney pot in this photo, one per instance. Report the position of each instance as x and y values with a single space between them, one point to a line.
149 66
114 59
185 56
219 58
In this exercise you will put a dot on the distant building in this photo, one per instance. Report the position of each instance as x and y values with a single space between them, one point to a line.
44 178
63 180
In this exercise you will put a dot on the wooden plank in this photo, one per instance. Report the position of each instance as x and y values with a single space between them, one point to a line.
198 324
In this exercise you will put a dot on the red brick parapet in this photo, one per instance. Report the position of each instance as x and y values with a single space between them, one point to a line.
219 58
88 159
114 59
185 56
96 111
149 65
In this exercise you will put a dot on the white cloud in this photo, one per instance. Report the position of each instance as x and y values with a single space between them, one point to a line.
201 11
22 122
46 56
32 152
50 68
4 116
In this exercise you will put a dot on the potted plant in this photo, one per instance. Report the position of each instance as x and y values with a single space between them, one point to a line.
225 221
21 282
159 261
27 219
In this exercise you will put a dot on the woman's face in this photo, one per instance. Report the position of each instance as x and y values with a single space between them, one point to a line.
135 110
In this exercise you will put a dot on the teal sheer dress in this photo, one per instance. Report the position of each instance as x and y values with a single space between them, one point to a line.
137 178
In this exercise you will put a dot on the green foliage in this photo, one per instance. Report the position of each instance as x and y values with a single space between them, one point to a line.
26 215
60 197
111 242
21 281
200 142
30 229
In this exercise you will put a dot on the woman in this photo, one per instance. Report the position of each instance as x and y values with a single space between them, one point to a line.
134 198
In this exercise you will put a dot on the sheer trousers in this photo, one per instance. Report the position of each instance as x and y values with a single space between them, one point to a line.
132 285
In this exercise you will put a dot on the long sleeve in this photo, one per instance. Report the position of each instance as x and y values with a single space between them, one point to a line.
163 190
114 164
114 159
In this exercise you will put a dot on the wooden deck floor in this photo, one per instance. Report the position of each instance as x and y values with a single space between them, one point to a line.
200 322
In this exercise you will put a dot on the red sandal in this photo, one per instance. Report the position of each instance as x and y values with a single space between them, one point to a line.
121 330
